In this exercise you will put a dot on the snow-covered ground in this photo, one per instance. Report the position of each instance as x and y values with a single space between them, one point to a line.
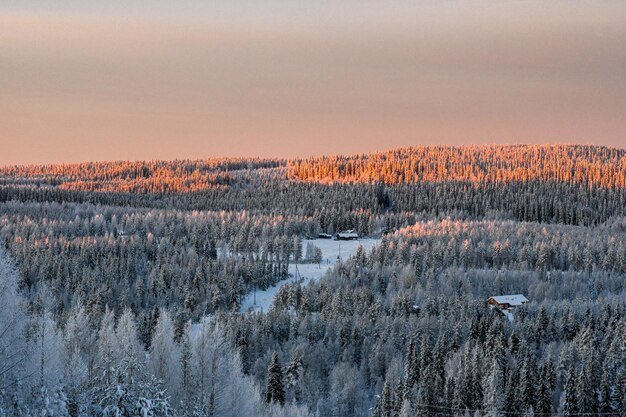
332 251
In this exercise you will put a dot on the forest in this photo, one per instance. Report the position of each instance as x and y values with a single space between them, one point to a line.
121 285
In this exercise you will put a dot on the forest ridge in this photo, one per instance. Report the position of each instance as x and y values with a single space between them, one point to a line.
578 165
571 164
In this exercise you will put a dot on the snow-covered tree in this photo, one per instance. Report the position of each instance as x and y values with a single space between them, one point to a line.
164 359
275 391
15 351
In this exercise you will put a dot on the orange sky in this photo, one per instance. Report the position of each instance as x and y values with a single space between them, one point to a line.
274 78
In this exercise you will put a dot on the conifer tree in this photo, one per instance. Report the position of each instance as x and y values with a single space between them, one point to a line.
384 405
570 400
544 399
275 388
493 390
411 368
606 397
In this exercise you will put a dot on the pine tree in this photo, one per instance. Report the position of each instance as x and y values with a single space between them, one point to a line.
544 398
548 374
212 249
297 249
528 380
293 373
606 400
398 398
475 370
185 361
493 390
586 389
275 388
570 400
426 401
384 405
411 369
317 256
425 356
511 401
620 394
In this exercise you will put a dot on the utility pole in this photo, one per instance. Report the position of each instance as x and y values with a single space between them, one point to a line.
297 276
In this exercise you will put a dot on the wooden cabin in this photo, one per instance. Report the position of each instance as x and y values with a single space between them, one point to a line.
507 302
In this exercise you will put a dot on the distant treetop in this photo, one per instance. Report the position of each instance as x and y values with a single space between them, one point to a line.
572 164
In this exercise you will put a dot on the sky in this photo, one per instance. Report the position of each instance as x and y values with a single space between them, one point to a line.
159 79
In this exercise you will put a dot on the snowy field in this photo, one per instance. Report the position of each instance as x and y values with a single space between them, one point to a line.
332 251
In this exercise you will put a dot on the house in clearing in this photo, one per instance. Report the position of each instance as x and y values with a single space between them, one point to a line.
347 235
507 303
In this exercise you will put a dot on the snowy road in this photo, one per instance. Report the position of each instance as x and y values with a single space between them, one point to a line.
332 250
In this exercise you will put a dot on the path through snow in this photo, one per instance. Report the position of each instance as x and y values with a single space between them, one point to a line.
332 250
